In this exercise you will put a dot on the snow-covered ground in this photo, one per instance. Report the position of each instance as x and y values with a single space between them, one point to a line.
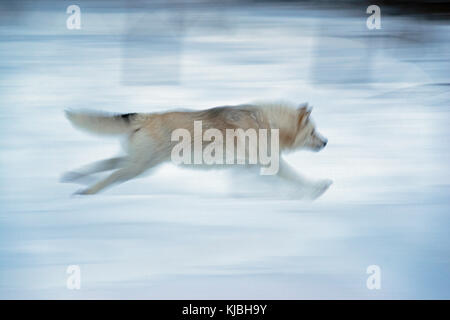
382 100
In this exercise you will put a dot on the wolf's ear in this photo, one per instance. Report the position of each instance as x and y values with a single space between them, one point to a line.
303 113
302 107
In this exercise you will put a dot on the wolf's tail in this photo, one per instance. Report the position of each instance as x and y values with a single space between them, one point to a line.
105 123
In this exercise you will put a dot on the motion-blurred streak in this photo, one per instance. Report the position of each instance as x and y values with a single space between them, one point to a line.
155 31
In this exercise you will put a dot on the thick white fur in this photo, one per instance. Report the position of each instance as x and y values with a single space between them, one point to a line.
148 142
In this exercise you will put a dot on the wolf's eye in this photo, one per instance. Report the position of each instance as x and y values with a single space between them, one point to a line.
312 132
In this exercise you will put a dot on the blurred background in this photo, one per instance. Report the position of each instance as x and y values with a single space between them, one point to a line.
381 97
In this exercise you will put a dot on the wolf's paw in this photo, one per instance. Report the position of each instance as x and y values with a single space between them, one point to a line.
83 192
319 188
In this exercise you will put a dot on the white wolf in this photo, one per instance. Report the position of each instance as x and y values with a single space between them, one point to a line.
149 140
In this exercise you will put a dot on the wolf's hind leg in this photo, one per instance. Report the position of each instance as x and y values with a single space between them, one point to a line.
118 176
131 169
98 166
143 154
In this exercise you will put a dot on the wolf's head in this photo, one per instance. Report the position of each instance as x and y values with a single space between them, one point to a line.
307 136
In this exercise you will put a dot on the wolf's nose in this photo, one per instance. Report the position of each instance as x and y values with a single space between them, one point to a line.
325 143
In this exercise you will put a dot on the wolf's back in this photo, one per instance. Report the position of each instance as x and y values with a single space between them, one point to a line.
104 123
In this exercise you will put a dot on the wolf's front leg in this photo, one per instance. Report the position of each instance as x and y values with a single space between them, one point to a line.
309 189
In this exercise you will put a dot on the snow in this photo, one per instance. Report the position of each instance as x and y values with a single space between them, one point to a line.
216 234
